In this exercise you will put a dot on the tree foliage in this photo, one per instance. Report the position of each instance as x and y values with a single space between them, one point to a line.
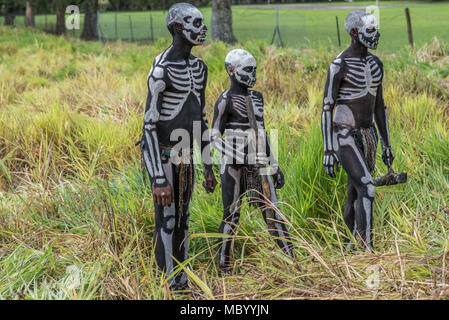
46 6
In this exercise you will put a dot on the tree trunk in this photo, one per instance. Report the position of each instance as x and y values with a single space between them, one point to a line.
60 21
90 31
29 12
222 21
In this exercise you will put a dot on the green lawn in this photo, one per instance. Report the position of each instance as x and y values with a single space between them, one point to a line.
299 28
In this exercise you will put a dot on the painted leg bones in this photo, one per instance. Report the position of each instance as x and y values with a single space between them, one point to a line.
171 232
354 155
240 169
353 100
175 104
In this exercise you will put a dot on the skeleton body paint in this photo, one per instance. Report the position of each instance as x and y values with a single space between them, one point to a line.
176 99
353 101
238 174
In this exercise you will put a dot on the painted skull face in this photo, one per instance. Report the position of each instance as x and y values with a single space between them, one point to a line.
191 20
242 65
368 33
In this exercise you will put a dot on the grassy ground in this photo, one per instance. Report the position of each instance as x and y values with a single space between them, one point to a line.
299 28
76 220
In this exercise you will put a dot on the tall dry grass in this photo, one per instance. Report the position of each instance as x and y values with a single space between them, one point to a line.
76 219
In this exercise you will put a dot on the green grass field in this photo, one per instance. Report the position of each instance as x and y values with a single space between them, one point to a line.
76 220
299 28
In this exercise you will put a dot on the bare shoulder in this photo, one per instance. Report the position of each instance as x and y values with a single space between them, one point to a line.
377 59
336 65
256 94
161 59
157 70
224 95
222 98
195 60
340 59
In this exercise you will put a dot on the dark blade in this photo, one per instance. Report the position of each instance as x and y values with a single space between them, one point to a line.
391 179
269 213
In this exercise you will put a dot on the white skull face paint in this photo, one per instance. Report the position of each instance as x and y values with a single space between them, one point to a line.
368 32
191 20
366 26
242 65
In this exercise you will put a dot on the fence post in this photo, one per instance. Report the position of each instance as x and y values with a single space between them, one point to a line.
131 28
151 27
409 27
45 22
338 32
100 35
277 32
73 31
115 24
277 28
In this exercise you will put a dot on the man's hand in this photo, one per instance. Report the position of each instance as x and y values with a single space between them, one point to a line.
388 156
209 180
329 161
278 179
260 159
163 195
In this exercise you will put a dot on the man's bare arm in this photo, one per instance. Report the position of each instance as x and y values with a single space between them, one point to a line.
332 86
210 181
381 118
162 192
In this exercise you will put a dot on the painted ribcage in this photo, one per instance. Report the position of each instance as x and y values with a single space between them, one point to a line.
361 78
235 131
183 81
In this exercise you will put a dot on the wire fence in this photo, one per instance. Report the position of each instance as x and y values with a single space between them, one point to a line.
297 28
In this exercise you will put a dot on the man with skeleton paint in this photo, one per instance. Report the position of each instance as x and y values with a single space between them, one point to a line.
353 101
175 104
239 169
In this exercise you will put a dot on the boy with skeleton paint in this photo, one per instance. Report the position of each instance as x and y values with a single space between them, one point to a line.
353 101
175 104
239 168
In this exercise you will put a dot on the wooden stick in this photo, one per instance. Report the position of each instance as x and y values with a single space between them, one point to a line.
409 27
131 27
116 31
270 214
338 32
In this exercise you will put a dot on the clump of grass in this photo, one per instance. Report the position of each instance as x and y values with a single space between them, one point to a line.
76 218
